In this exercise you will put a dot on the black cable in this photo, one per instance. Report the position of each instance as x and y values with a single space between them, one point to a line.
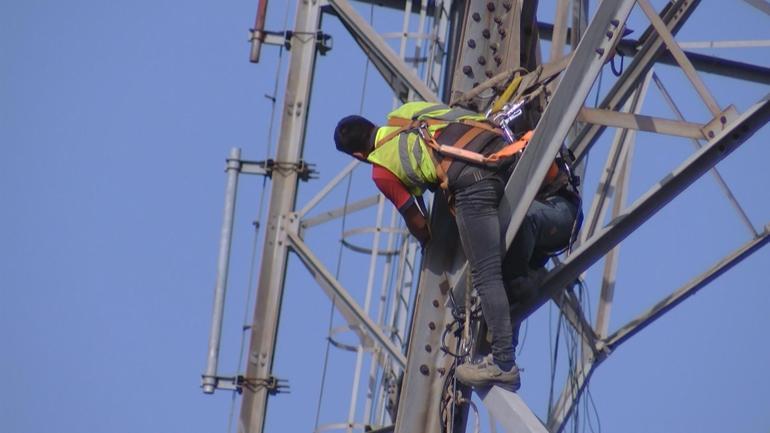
616 72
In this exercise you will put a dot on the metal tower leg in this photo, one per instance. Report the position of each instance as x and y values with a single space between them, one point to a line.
282 201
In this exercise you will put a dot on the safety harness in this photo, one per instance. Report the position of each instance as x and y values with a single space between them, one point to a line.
445 154
465 142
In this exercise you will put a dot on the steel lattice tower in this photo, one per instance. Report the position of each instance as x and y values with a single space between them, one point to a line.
464 52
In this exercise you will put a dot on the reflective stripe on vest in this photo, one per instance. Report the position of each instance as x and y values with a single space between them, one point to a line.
406 163
417 172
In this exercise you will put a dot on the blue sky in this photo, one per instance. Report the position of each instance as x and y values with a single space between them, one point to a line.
115 120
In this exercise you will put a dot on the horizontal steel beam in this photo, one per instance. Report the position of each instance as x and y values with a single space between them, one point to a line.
684 292
754 43
666 190
340 211
722 67
400 5
702 62
394 70
313 202
641 123
674 15
348 307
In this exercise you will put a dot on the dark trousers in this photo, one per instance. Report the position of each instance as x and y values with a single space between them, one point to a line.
547 227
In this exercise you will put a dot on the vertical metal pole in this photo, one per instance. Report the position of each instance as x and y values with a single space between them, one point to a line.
611 261
619 185
398 310
437 48
282 201
616 155
579 24
418 41
367 304
386 286
579 21
223 264
559 31
258 35
402 47
405 28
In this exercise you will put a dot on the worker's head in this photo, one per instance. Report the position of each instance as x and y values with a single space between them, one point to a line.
353 135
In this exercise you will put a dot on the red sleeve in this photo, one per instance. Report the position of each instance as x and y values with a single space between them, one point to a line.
392 188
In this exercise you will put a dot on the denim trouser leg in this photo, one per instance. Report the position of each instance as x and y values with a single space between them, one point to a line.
547 227
479 227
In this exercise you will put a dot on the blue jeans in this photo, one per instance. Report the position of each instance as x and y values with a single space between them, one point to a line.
547 227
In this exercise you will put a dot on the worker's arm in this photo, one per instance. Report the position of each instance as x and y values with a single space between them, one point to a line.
417 223
412 209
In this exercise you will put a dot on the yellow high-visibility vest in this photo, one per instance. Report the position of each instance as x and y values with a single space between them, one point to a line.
405 154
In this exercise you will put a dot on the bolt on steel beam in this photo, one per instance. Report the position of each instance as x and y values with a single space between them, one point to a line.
494 40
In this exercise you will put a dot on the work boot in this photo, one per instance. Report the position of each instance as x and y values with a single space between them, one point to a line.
487 373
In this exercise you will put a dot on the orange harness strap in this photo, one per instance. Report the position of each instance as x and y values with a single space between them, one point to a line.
511 149
391 136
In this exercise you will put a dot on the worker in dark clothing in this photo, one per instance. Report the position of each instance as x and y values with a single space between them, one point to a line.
405 164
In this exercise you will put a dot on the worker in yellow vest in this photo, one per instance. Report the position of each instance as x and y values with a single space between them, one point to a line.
426 146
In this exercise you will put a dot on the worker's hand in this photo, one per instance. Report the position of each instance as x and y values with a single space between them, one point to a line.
417 225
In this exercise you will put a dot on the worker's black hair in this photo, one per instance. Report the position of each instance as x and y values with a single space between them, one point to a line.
352 134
